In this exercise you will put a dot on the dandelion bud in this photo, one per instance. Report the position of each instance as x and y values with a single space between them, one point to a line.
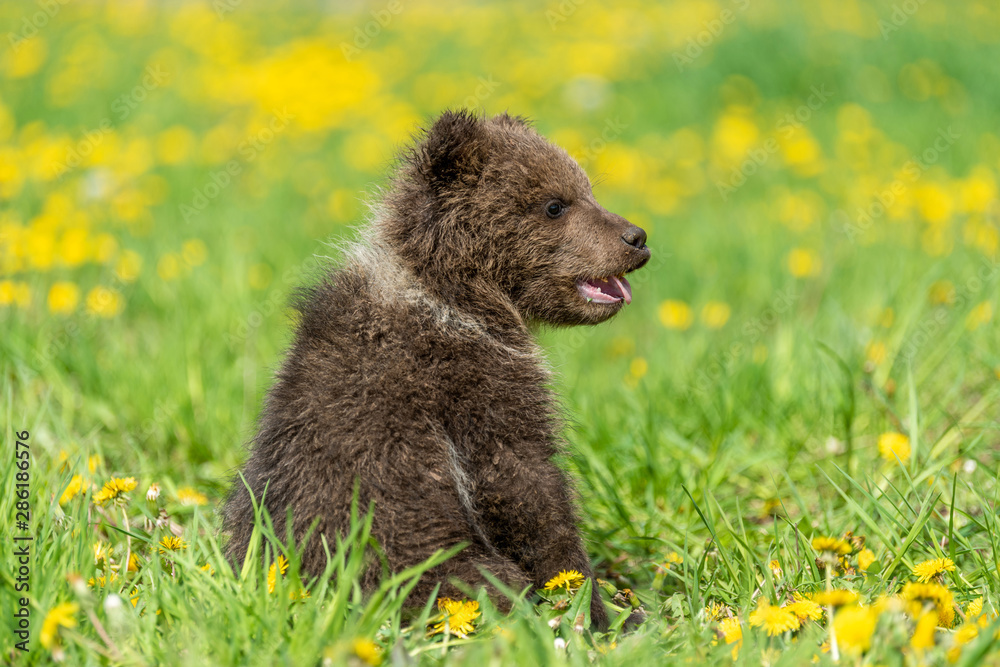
153 492
560 644
554 623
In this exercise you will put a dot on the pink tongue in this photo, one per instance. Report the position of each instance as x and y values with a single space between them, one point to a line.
607 291
624 287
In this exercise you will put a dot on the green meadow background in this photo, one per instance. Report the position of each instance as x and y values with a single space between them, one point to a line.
813 351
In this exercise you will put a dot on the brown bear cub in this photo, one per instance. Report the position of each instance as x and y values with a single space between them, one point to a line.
414 373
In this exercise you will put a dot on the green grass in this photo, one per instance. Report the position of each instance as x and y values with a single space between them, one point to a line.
729 447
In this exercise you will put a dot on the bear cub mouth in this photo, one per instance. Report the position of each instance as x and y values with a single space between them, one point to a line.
612 289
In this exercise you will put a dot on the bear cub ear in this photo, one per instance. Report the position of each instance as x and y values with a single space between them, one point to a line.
454 150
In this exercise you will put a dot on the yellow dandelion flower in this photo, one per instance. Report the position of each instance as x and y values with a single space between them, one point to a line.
171 543
457 617
893 446
368 651
675 315
674 558
133 562
975 608
189 496
114 489
102 581
920 596
194 252
923 635
854 626
838 597
104 302
929 569
14 294
280 564
571 579
776 570
774 620
941 293
128 266
72 489
714 611
876 352
638 368
101 552
715 314
979 315
207 567
865 559
63 297
169 267
62 615
805 610
832 545
803 263
731 631
965 634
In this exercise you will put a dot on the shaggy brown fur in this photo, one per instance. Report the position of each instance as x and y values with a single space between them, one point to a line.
414 370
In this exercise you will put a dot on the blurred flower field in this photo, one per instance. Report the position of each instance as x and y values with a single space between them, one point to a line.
786 449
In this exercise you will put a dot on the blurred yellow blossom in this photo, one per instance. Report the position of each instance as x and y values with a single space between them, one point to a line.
72 489
278 568
189 496
894 446
854 626
675 315
63 297
831 544
128 266
803 263
194 252
715 314
368 651
865 559
60 616
774 620
104 302
980 314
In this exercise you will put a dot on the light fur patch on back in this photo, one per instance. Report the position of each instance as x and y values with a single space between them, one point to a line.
390 282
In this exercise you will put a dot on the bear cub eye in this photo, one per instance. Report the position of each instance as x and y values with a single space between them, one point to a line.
555 208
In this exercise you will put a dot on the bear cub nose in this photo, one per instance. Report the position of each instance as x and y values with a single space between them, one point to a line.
635 236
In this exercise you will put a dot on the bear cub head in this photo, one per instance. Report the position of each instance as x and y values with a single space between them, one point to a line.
486 211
